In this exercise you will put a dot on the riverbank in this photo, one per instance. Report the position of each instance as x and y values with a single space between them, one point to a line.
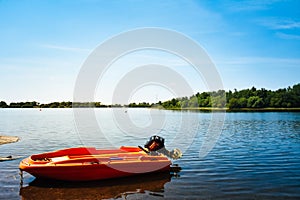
210 109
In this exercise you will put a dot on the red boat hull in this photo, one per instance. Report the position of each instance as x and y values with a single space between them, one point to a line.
85 164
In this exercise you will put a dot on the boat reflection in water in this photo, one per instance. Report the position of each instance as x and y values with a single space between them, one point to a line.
149 186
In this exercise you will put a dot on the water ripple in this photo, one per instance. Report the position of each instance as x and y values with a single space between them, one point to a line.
256 156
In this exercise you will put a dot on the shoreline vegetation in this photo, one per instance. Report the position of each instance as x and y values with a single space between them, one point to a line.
246 100
210 109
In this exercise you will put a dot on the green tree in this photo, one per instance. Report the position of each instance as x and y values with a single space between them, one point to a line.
233 103
193 102
184 103
255 102
3 104
97 104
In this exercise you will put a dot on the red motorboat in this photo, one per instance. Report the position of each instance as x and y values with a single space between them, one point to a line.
89 163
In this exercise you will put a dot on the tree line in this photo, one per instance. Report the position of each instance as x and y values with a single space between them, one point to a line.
247 98
69 104
63 104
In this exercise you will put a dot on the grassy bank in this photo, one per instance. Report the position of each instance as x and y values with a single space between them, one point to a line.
210 109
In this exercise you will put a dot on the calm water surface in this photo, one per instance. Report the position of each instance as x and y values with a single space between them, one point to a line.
257 156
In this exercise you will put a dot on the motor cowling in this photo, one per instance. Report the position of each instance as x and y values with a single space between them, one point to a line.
155 143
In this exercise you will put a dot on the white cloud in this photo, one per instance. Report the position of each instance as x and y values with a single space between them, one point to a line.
279 24
288 36
249 5
258 60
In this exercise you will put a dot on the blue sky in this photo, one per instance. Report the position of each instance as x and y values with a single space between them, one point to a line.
44 43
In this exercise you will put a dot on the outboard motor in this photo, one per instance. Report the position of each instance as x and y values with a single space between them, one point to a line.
156 145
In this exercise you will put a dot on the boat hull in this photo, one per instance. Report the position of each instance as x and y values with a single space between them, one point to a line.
86 164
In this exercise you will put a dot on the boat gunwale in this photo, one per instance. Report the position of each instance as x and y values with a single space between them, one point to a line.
75 159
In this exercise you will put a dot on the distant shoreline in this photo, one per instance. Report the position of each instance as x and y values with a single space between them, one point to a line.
246 100
198 109
209 109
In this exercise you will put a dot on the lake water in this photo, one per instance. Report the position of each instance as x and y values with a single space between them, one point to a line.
257 155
